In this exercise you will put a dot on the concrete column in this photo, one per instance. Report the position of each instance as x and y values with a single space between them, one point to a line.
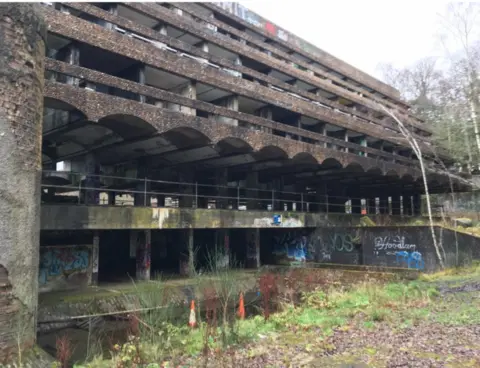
266 113
142 239
221 179
142 186
223 248
189 90
141 80
253 248
277 186
187 258
22 51
371 206
92 180
188 189
230 102
356 206
417 204
396 205
95 255
252 192
407 205
384 207
73 58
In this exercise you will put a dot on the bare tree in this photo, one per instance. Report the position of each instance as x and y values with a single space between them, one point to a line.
416 149
461 26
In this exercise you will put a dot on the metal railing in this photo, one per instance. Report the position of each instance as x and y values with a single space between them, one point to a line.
92 189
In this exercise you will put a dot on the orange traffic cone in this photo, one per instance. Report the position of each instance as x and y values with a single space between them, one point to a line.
192 321
241 307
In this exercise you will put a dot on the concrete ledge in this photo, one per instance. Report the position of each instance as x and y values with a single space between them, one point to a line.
77 217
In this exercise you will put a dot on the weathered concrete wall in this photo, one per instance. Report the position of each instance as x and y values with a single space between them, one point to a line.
22 35
65 267
74 217
406 247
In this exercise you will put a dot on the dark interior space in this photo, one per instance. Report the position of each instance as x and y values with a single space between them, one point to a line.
167 246
238 247
115 263
204 244
77 237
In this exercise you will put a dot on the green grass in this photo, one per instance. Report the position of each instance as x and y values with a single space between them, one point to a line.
401 304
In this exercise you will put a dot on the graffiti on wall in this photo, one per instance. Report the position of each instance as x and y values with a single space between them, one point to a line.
259 22
390 245
410 259
297 246
269 222
405 253
64 267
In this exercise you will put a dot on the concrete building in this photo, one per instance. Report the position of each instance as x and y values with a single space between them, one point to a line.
174 126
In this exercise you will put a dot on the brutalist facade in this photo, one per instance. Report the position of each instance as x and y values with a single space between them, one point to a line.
202 106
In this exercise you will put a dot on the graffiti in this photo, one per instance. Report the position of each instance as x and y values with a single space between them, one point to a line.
292 246
268 222
410 259
392 244
62 262
282 35
270 28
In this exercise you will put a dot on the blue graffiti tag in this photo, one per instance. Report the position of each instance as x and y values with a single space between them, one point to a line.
56 262
410 259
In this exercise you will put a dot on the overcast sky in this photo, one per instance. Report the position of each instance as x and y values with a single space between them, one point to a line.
362 32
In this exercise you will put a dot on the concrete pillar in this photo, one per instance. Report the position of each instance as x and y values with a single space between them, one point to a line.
111 198
73 58
141 80
371 206
396 205
356 206
251 183
22 50
188 90
187 256
384 207
230 102
142 186
95 255
222 243
92 180
253 248
221 180
188 189
417 204
266 113
407 205
142 243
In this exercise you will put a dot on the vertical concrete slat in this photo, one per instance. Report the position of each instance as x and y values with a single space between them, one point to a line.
95 257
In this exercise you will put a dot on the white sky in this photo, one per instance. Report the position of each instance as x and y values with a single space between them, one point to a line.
362 32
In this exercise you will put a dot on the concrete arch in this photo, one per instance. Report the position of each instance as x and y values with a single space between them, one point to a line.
355 167
305 158
184 136
272 152
65 103
331 163
231 145
392 173
375 170
127 125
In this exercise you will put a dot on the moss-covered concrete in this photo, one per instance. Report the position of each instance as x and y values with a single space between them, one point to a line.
74 217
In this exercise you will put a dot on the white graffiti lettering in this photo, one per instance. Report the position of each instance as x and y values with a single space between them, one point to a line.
394 243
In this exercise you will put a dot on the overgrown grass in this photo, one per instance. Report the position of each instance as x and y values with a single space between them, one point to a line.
163 335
